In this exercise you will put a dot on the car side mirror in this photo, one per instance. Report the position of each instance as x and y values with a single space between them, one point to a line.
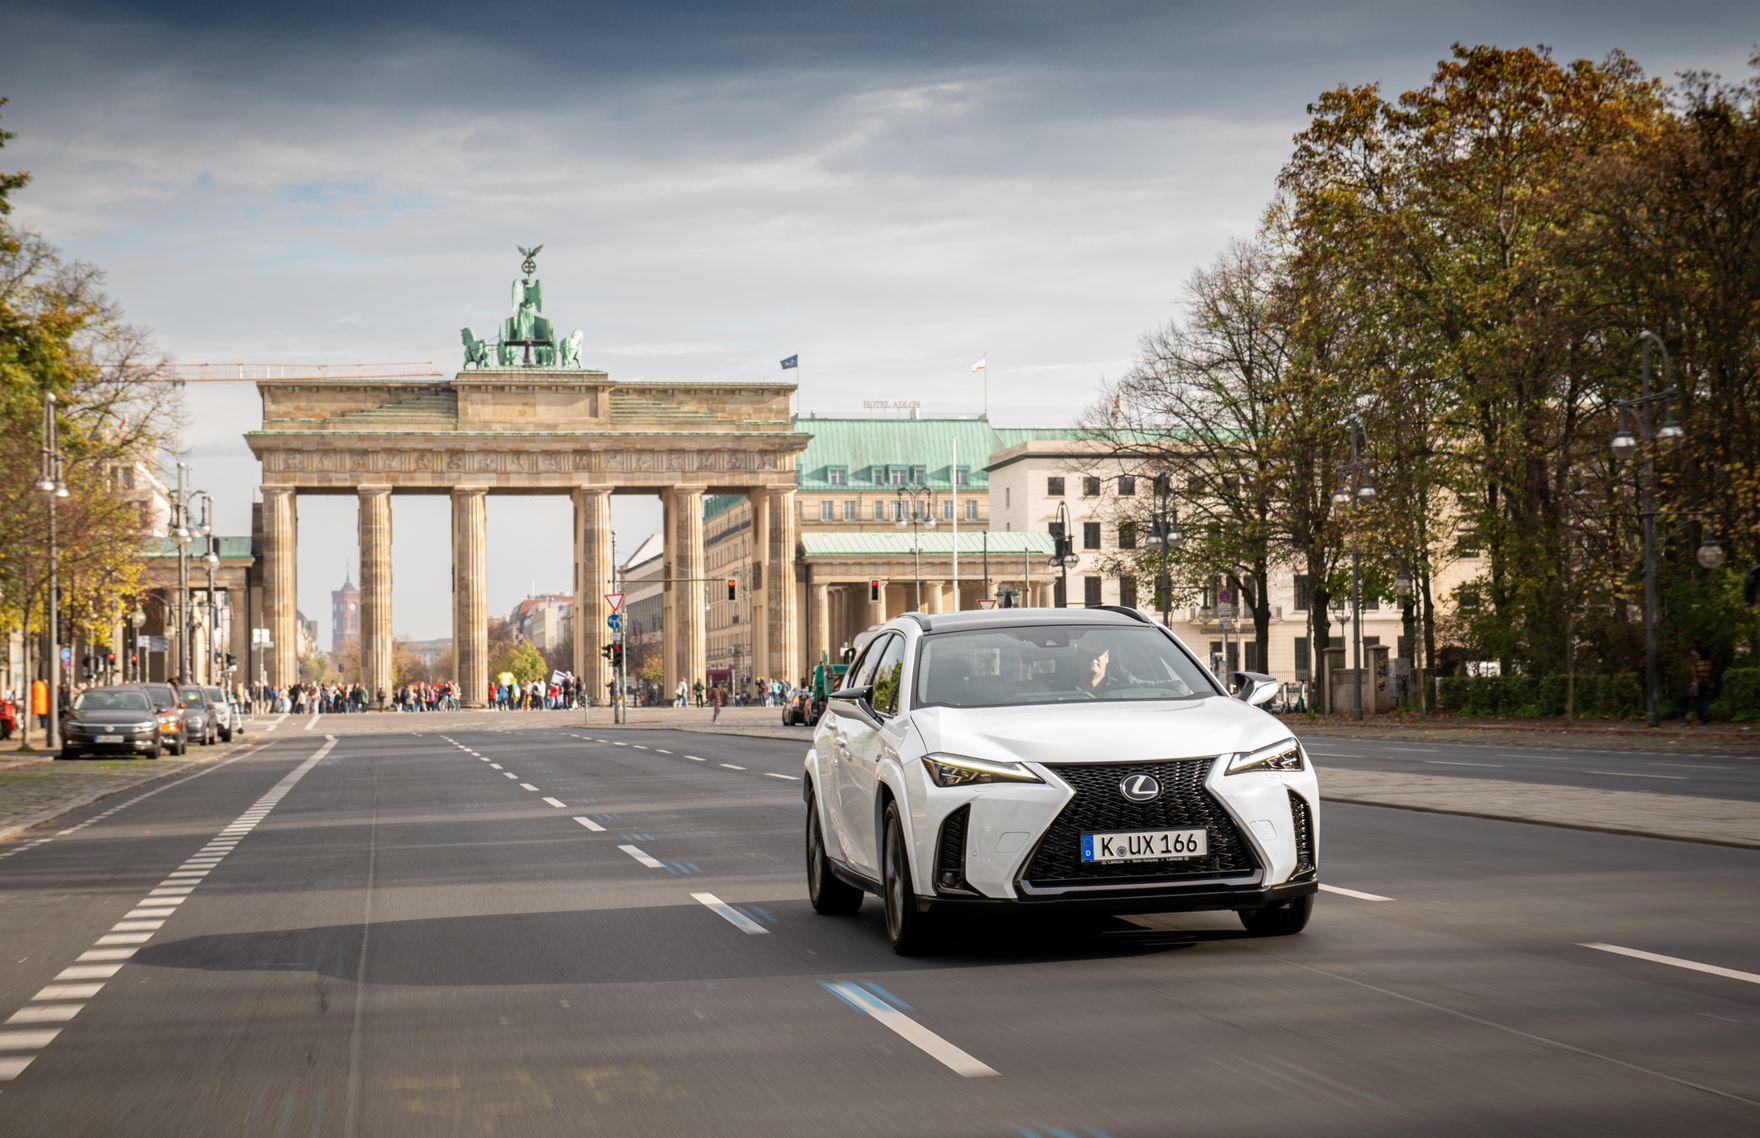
862 694
1253 688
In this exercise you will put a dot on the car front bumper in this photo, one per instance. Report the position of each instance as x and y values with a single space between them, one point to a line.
132 744
1191 897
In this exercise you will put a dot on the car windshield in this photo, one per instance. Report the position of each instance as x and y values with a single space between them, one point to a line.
161 697
215 695
111 701
1054 664
193 697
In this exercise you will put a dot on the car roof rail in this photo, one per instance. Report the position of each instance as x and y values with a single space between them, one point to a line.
1126 610
921 618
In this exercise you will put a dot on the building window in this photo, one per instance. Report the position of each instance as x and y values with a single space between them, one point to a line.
897 510
1091 591
971 509
1301 659
1054 487
962 477
1090 535
1251 648
837 476
1127 485
1090 487
1127 592
897 475
827 510
849 510
880 510
947 510
1007 497
919 475
806 510
1127 535
1304 592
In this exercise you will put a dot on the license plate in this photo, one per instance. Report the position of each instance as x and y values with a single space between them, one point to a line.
109 738
1145 845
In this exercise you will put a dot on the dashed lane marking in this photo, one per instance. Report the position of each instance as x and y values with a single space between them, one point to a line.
729 914
788 777
696 758
731 767
636 853
591 825
953 1058
528 786
1358 894
1677 962
555 803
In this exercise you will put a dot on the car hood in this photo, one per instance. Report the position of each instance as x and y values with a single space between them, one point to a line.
1110 732
93 718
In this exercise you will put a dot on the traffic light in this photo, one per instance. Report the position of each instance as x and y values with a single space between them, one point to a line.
231 661
605 650
732 589
873 592
616 655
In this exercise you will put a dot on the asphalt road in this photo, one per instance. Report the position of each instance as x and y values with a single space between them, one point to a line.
387 935
1709 775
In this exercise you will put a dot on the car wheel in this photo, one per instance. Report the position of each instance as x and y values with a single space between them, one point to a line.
226 735
909 930
67 754
828 894
1286 919
182 747
155 752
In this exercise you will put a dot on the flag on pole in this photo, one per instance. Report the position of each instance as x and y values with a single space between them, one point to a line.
792 361
980 366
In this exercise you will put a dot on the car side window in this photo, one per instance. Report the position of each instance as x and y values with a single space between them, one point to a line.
862 671
887 674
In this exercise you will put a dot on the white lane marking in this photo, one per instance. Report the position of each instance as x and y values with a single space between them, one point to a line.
661 751
27 1040
620 744
508 774
696 758
124 938
558 805
1451 763
100 954
728 913
45 1013
178 891
638 746
12 1067
912 1032
142 914
528 786
1634 774
789 777
731 767
313 721
1361 896
492 766
641 857
69 992
136 926
591 825
1690 965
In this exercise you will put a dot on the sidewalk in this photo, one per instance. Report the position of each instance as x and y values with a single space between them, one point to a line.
1598 734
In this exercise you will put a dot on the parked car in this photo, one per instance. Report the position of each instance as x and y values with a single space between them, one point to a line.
173 721
795 707
225 713
110 721
1054 760
203 727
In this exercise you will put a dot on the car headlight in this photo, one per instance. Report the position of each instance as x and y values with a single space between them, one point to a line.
1281 756
957 770
147 726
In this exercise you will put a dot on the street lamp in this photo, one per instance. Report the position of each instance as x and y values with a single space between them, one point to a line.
1624 444
55 489
1710 553
1356 487
1063 553
186 525
921 500
137 620
1163 535
212 560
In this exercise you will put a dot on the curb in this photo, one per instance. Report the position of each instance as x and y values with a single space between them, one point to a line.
1624 831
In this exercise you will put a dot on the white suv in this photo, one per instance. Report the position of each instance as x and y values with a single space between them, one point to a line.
1054 759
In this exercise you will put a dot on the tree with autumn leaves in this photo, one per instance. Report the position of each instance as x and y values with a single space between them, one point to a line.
1465 268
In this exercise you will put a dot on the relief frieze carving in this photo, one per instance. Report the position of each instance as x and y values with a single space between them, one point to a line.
606 460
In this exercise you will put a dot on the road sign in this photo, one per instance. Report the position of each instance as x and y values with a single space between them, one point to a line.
259 636
66 655
987 603
614 621
158 644
615 600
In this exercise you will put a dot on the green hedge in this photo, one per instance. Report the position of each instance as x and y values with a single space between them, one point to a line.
1739 696
1619 696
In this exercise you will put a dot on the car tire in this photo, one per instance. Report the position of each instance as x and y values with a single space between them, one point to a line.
182 747
909 930
226 735
155 753
1286 919
829 894
67 754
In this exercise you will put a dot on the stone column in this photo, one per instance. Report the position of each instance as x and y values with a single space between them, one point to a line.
932 594
785 628
280 582
375 531
685 539
765 662
820 641
593 571
470 595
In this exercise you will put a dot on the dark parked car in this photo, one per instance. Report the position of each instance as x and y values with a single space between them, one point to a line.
796 707
173 722
204 725
111 721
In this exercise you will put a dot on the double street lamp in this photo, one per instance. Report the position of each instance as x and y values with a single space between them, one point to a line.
1641 411
185 526
1063 553
1355 482
54 488
1163 535
919 500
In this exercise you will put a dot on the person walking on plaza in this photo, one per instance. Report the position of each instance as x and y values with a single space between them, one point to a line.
1702 677
8 716
716 698
697 690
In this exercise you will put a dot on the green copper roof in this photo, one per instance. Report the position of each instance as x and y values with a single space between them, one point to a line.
867 450
1014 542
160 545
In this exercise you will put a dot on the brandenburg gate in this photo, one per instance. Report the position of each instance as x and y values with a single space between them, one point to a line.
524 417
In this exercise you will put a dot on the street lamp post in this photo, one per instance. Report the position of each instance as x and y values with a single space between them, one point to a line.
1624 444
52 485
921 501
212 560
1356 485
137 620
1063 552
1163 535
184 528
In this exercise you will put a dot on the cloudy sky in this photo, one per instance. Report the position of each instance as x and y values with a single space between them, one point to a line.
888 189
